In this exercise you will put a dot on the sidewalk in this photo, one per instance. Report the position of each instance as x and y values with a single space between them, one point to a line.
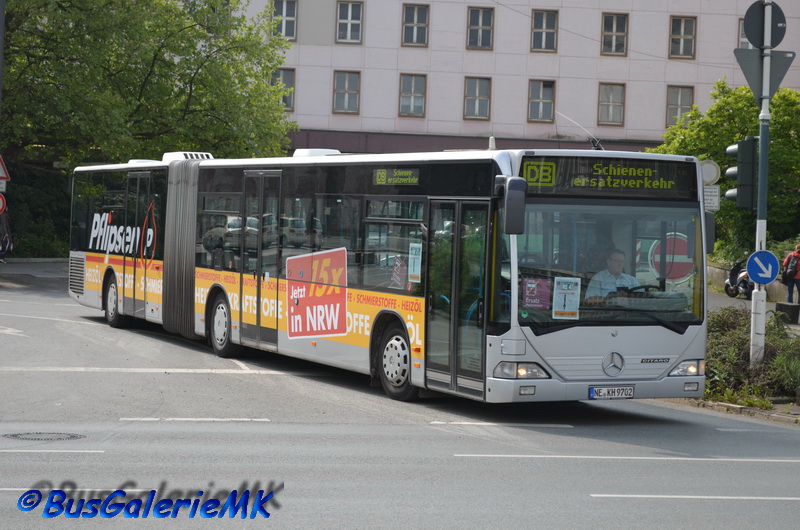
784 412
43 268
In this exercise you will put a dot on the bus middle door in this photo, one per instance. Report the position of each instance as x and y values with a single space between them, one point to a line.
259 296
456 283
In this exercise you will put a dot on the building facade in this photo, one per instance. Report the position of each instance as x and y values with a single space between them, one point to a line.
393 75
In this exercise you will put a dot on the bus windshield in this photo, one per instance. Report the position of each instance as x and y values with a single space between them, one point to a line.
609 263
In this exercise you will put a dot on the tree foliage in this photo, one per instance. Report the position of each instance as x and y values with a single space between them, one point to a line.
733 115
109 80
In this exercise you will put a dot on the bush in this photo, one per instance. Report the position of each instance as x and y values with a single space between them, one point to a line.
729 376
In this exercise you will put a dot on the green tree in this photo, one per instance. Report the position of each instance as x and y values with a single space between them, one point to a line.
110 80
732 116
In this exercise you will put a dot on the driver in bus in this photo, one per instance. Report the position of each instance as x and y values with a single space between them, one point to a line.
611 279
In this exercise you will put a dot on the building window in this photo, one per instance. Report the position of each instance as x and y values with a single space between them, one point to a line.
743 42
541 100
479 31
615 34
412 95
611 105
415 25
348 25
476 98
681 38
286 15
544 30
285 76
679 101
345 91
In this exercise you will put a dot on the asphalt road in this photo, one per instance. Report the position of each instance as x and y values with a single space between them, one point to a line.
88 408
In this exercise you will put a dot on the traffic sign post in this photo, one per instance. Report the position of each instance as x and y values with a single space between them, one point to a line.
765 27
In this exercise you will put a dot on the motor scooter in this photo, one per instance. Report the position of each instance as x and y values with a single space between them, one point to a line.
739 282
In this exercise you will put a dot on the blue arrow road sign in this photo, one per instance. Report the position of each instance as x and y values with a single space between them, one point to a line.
762 267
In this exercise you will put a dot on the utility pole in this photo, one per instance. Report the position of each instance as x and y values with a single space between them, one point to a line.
764 69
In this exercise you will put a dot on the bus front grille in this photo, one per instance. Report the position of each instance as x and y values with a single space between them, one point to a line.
76 274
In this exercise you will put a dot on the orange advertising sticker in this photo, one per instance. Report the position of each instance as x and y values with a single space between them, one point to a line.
316 294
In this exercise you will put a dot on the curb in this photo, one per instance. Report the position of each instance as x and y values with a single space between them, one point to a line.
730 408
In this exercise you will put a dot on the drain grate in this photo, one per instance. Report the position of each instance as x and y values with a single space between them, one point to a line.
44 436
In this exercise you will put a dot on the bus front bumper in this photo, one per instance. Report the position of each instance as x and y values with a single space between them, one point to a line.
536 390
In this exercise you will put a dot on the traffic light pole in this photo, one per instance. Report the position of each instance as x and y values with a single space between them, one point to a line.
759 303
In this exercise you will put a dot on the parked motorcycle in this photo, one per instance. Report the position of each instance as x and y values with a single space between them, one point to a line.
739 282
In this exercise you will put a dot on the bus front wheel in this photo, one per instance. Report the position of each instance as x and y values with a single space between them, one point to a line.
221 327
394 358
114 318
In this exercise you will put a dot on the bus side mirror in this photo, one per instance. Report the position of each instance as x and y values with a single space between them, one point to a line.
711 232
513 190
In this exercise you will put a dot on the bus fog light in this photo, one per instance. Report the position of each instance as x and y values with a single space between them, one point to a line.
527 390
690 368
691 387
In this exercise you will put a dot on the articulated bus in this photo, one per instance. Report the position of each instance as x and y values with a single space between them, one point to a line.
468 273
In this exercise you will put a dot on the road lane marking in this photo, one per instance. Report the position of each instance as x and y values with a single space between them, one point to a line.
196 419
694 497
493 424
120 370
88 490
50 451
240 364
27 317
657 458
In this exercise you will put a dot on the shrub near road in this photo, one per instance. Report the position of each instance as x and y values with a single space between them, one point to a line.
730 378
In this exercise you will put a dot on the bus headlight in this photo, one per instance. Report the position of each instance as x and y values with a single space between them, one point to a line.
696 367
507 370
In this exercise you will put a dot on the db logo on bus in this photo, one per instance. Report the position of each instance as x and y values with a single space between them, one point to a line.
677 266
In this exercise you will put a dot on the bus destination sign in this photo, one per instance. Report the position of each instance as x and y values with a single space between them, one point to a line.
396 177
630 177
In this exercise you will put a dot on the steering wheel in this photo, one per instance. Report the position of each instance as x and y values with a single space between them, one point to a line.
645 288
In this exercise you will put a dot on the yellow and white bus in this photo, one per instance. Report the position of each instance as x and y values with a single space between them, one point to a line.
460 272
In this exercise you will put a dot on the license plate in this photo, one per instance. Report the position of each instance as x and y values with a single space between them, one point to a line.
610 392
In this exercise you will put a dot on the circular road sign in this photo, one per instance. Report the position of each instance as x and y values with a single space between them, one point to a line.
678 266
754 25
2 203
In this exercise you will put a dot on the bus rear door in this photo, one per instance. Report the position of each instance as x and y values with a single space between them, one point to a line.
259 242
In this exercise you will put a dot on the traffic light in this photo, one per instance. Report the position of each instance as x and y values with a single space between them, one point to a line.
745 173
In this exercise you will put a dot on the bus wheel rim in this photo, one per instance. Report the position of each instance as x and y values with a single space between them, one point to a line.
396 361
111 299
221 324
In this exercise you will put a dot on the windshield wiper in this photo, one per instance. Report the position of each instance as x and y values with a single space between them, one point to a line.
561 327
672 326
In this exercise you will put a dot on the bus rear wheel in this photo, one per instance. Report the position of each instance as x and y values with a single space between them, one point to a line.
394 359
220 327
114 318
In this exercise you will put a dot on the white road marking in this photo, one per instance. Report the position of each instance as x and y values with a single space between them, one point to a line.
693 497
195 419
50 451
27 317
492 424
240 364
120 370
656 458
91 490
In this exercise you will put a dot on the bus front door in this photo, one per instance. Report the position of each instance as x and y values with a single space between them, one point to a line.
456 284
259 241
